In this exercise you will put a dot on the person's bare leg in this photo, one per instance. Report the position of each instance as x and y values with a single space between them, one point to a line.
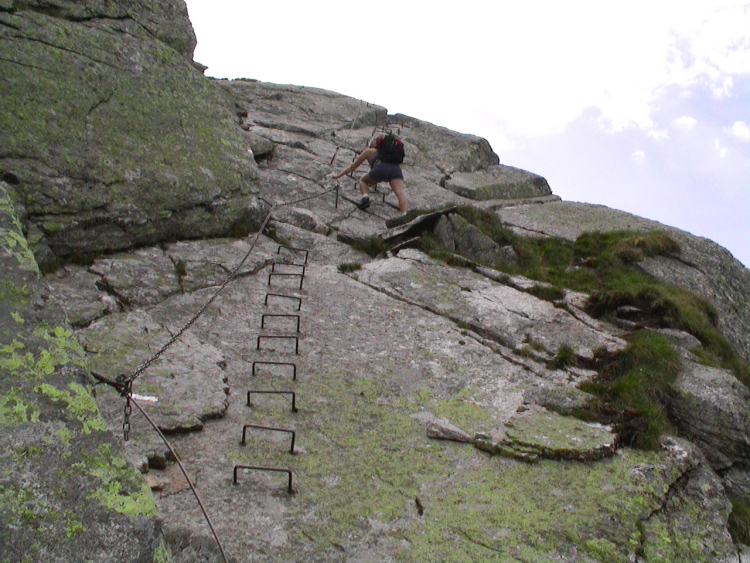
397 185
364 183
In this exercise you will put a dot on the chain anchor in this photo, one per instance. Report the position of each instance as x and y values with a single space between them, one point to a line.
127 392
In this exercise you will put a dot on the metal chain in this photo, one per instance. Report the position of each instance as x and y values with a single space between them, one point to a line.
126 418
195 317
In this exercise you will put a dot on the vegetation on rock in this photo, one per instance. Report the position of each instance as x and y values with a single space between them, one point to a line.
632 388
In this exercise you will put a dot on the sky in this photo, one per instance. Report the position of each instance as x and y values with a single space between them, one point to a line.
642 106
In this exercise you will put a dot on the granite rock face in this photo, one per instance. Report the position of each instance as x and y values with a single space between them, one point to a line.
66 490
404 373
122 142
397 364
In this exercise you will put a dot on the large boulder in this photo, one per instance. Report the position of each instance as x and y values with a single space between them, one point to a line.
115 139
711 407
443 149
498 182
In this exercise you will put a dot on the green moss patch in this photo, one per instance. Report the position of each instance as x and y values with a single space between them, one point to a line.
121 489
14 409
57 348
80 404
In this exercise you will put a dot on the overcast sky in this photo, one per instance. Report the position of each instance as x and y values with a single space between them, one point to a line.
642 106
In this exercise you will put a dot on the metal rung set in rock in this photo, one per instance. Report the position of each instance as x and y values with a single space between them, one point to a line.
275 297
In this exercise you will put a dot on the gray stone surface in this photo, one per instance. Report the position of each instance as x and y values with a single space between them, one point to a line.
536 433
445 231
189 386
373 373
139 279
441 429
703 492
123 143
737 481
79 295
680 338
496 311
711 407
498 182
702 265
66 490
469 241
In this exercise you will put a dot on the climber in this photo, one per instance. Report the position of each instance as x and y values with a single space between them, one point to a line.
385 154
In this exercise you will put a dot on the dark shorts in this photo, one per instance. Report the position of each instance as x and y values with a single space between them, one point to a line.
385 172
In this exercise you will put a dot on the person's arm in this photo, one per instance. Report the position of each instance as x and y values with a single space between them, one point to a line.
364 155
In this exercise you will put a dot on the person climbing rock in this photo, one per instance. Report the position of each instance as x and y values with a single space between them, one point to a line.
385 155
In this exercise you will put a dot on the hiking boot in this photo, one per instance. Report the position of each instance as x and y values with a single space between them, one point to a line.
364 203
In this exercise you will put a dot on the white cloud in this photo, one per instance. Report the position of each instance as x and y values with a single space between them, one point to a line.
638 156
724 89
721 151
659 134
535 73
685 122
741 131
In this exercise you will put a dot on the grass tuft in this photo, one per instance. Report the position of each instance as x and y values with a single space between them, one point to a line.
547 292
373 246
633 391
739 520
349 267
564 357
180 268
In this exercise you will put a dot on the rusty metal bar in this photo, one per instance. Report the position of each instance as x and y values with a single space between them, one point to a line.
292 393
263 319
296 341
294 366
237 467
246 426
303 266
299 299
307 252
301 277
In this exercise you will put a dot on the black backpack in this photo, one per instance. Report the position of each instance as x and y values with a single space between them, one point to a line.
390 149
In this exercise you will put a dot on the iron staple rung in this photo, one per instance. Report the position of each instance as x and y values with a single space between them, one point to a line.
296 341
299 299
246 426
303 266
254 468
307 252
387 129
294 366
301 277
292 393
263 319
